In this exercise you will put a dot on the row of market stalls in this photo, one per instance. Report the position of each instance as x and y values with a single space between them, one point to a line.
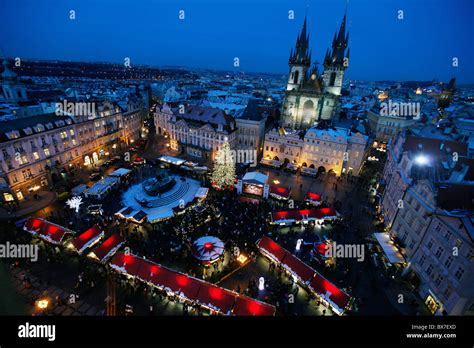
292 167
257 184
216 299
104 186
58 235
330 294
182 164
290 217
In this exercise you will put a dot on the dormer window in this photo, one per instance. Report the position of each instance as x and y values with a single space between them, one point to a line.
28 131
13 134
60 123
49 125
39 128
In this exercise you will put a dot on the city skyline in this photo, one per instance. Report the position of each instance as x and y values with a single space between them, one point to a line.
430 59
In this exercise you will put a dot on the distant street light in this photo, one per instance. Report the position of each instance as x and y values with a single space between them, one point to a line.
421 160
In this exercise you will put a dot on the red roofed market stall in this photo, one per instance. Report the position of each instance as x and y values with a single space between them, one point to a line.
289 217
108 247
313 198
210 296
279 193
46 230
87 239
330 294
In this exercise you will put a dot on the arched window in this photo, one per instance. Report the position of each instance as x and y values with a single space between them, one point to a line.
297 74
332 79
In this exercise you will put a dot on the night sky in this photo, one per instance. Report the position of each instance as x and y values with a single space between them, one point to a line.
258 32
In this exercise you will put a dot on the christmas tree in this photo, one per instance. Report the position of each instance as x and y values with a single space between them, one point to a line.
223 174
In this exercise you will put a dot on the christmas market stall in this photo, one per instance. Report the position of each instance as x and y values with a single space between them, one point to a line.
289 217
326 291
46 230
121 173
101 188
271 163
313 198
195 291
247 306
86 239
108 248
171 161
216 299
337 299
280 193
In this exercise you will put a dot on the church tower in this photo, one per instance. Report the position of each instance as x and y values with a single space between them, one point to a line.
299 61
336 61
311 97
13 91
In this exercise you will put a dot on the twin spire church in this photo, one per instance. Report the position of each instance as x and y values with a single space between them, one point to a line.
310 96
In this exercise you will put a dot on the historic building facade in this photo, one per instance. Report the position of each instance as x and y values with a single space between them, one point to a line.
427 207
195 130
36 151
336 149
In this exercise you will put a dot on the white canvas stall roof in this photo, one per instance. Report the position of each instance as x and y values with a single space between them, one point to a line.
119 172
202 192
101 185
391 252
172 160
256 178
77 190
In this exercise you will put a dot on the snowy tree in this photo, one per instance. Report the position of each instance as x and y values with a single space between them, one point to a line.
74 203
223 174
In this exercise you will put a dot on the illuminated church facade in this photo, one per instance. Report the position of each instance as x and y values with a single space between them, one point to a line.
311 96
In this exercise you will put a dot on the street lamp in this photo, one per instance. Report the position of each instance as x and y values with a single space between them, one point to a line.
421 160
42 304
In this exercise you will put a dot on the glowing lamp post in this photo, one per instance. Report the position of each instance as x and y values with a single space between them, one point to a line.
421 160
261 284
42 304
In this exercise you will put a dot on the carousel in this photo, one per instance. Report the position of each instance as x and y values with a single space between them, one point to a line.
208 249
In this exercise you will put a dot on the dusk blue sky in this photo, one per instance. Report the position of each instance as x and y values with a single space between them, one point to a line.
419 47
